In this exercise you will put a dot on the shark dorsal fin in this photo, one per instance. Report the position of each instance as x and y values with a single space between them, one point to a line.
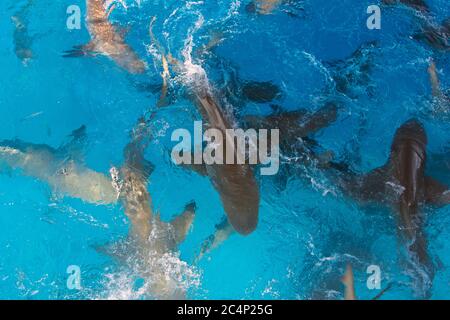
75 146
367 187
301 122
223 231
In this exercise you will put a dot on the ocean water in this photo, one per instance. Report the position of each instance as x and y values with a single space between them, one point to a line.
308 229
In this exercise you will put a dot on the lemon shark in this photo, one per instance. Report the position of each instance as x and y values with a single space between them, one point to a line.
62 168
436 36
294 126
152 241
106 40
235 183
21 37
403 185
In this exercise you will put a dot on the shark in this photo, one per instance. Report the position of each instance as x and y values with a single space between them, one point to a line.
22 39
235 183
419 5
294 126
106 40
267 7
437 37
151 241
403 185
63 168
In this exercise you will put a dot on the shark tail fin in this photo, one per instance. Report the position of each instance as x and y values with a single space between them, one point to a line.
379 295
117 250
223 231
182 223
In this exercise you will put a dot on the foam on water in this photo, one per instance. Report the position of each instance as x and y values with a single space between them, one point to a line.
150 276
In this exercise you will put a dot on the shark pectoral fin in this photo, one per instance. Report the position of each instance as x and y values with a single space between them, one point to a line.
118 251
324 159
222 233
320 119
260 92
283 120
436 193
366 188
373 185
254 121
182 223
80 51
197 168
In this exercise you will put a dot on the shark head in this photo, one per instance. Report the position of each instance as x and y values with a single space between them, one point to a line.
408 156
11 151
411 133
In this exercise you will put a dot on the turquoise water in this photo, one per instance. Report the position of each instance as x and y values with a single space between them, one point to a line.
307 230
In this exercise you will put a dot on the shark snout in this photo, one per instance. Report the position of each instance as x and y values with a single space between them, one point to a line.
246 225
411 130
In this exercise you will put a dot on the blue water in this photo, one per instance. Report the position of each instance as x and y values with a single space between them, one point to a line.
307 230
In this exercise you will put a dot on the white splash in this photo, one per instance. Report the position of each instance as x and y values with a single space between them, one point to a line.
193 74
116 182
9 151
154 270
